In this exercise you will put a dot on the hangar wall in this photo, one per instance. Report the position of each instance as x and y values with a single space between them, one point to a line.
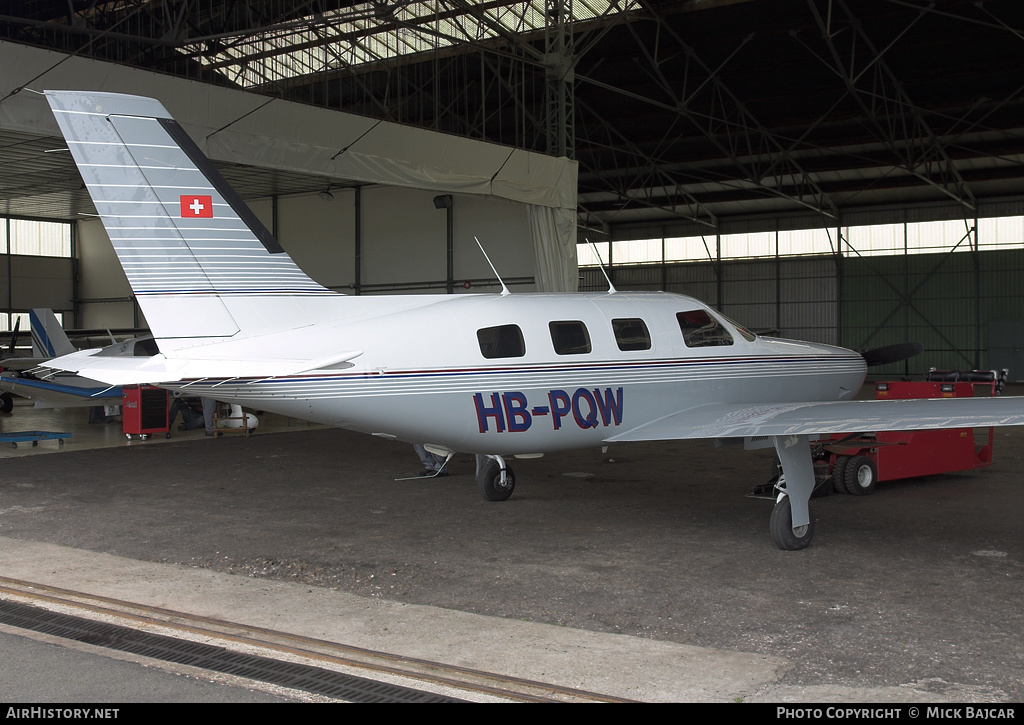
947 302
27 282
403 240
403 247
105 296
37 268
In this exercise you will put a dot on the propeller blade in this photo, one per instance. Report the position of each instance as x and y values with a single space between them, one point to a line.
892 353
14 336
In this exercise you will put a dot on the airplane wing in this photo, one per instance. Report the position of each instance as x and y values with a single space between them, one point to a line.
120 370
48 394
850 416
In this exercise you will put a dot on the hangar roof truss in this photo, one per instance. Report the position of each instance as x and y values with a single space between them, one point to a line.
679 112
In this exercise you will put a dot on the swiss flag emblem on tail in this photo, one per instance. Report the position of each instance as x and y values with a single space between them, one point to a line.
196 207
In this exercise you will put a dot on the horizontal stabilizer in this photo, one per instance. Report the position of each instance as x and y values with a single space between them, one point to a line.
160 369
848 416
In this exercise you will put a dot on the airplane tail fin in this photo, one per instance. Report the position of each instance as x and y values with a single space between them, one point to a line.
48 337
197 258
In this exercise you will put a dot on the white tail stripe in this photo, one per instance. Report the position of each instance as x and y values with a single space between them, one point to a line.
117 143
139 166
191 187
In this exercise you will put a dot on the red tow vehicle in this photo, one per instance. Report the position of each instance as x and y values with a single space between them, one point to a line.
858 462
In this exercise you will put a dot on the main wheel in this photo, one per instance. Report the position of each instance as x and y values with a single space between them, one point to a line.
489 481
860 476
781 526
6 403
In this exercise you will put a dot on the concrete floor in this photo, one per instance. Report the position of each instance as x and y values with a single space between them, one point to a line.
645 572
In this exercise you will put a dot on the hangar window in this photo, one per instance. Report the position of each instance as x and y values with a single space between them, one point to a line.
702 330
501 341
570 338
631 334
38 238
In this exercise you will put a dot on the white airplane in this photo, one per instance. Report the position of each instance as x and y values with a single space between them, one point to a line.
500 375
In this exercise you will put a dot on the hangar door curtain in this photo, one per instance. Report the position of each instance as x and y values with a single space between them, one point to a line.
389 154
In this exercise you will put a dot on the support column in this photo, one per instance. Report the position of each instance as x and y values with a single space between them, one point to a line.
560 79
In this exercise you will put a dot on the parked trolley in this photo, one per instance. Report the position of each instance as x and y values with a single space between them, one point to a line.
144 411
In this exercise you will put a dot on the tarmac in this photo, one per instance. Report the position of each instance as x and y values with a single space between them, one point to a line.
645 572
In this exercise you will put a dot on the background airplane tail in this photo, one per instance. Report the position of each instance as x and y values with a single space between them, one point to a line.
197 258
48 337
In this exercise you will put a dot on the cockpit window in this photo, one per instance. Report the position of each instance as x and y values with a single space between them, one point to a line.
501 341
702 330
631 334
570 337
746 334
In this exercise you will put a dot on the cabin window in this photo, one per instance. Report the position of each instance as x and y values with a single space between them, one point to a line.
570 337
702 330
631 334
501 341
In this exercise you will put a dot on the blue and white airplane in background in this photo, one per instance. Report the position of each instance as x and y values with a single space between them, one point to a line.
53 388
495 374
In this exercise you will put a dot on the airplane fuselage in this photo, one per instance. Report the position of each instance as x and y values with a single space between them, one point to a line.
534 373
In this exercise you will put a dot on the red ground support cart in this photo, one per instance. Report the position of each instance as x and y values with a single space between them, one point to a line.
858 462
144 411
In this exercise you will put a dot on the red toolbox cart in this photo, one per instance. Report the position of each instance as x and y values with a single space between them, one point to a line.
857 462
144 411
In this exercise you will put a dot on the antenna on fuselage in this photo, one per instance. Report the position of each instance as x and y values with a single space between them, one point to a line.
611 287
504 289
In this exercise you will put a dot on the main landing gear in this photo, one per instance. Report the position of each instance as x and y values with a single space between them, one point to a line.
780 525
790 524
495 479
